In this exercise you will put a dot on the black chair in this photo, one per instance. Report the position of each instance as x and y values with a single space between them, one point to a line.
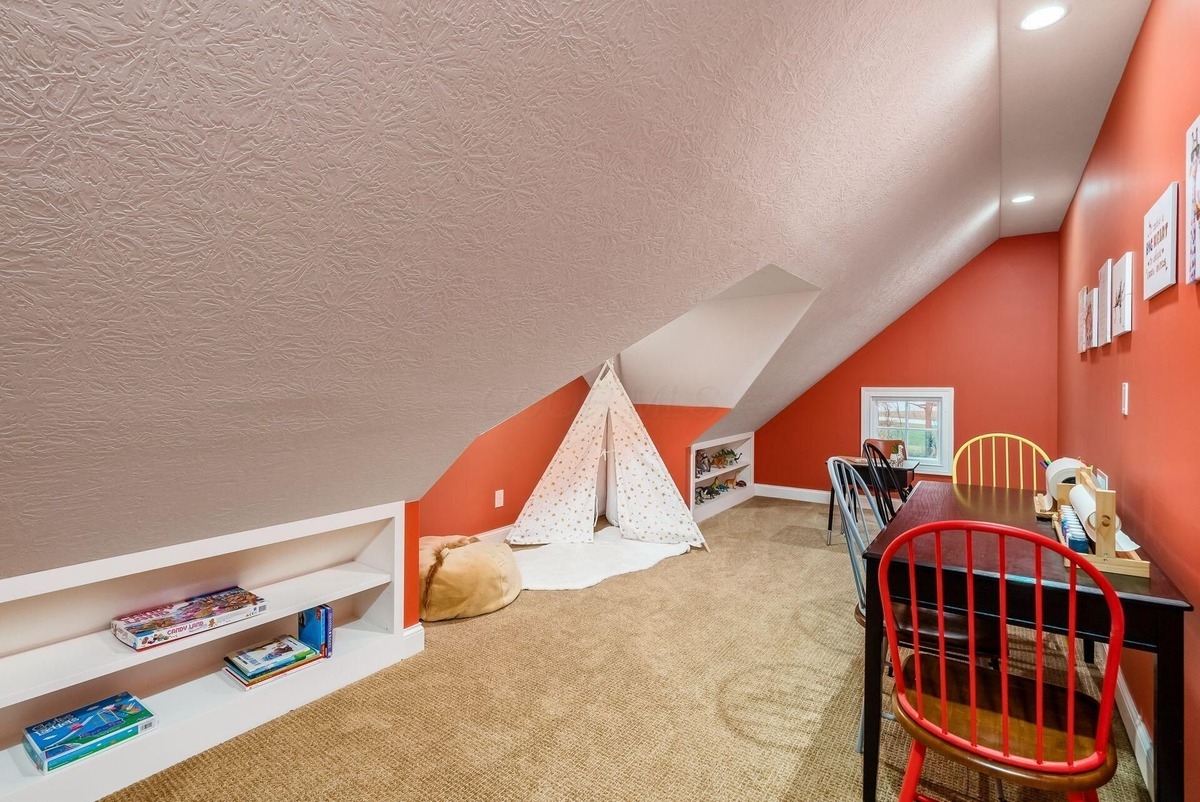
884 482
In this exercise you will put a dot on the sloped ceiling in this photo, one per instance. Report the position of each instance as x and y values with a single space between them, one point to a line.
711 354
264 262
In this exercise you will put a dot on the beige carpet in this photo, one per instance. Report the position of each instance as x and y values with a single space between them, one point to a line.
731 675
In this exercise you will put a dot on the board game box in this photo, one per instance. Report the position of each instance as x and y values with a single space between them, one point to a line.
197 614
64 739
273 654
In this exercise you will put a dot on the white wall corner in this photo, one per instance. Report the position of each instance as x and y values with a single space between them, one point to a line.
792 493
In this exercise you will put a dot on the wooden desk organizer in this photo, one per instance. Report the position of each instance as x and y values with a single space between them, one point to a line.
1106 557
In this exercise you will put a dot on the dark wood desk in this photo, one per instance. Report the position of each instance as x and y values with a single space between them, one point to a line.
900 472
1154 610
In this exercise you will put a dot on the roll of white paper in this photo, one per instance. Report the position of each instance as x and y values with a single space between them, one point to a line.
1061 470
1085 508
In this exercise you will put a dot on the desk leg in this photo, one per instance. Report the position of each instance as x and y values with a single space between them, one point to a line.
1168 711
872 682
829 526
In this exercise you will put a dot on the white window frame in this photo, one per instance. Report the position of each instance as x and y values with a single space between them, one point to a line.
944 395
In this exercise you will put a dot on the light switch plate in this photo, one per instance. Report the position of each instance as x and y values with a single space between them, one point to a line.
1125 398
499 498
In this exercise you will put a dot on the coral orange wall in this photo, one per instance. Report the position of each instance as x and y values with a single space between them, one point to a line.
511 456
673 430
988 331
1153 452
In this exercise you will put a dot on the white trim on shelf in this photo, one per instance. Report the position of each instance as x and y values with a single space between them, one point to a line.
719 441
69 576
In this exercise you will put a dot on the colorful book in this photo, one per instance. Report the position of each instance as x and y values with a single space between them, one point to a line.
270 655
64 739
246 683
315 628
197 614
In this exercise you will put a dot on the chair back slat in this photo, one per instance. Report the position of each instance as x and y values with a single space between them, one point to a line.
931 546
883 481
861 519
1004 641
1039 650
997 459
972 654
1070 662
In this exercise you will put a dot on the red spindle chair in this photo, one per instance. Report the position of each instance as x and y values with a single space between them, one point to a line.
1019 729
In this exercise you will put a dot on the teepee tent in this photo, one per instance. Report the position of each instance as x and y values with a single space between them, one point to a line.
606 443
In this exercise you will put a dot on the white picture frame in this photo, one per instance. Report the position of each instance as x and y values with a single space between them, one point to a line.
1191 202
1085 323
1104 304
1122 292
1160 243
1094 315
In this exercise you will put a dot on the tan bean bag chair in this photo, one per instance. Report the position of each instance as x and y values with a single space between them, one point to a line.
461 577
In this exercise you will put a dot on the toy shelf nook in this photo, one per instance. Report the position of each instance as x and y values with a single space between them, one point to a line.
59 653
717 468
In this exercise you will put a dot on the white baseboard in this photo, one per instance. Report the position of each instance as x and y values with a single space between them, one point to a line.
1135 725
494 535
792 493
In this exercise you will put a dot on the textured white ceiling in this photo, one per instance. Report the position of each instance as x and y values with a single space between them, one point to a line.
262 262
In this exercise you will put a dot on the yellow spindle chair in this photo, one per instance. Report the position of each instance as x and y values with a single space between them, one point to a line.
997 459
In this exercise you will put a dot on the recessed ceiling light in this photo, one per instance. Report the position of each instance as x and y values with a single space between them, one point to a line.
1022 198
1043 17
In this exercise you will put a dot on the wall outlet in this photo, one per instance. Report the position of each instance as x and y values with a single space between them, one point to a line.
1125 398
499 498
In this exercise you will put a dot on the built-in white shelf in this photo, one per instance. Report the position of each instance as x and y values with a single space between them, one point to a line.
743 470
353 560
59 665
194 716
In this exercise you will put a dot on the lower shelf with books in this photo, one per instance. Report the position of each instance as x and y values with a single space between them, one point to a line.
201 713
62 655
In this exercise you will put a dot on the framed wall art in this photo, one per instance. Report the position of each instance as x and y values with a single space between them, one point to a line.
1122 295
1159 243
1085 336
1094 316
1191 201
1104 305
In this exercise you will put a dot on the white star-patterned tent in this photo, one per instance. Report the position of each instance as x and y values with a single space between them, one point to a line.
608 444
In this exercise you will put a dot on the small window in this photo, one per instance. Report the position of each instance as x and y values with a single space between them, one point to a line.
923 417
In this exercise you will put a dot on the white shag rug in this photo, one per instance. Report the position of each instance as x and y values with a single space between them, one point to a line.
570 566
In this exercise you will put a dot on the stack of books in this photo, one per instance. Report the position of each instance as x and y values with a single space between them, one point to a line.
66 738
315 628
158 625
281 655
